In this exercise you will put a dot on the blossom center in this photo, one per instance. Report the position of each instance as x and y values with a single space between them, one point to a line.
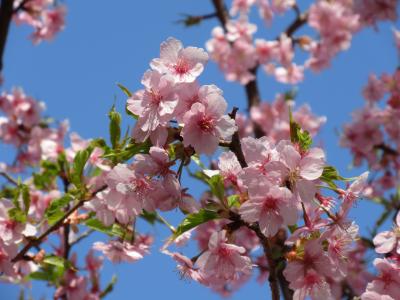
270 204
181 67
156 97
206 124
222 251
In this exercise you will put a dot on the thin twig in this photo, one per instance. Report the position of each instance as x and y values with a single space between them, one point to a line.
37 241
9 178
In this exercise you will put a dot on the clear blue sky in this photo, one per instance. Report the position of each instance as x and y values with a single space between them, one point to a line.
113 41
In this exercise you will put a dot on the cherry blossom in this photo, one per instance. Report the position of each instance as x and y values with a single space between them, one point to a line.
183 64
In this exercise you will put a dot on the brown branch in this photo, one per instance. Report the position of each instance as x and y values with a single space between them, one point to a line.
6 12
266 244
296 24
9 178
37 241
235 145
190 20
222 12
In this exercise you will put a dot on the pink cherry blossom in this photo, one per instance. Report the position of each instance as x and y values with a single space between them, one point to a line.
388 280
155 105
183 64
223 260
307 274
191 93
270 206
230 167
387 241
301 170
241 6
206 124
118 252
375 89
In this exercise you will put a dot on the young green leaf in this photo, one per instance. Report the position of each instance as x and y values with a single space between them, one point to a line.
193 220
113 230
55 210
234 201
217 187
125 90
79 163
114 127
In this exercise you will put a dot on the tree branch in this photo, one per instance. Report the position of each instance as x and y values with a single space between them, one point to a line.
266 244
37 241
9 178
235 145
6 12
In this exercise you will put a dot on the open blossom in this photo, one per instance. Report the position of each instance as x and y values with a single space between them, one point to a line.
230 167
301 169
118 252
388 241
354 191
191 93
7 252
386 283
270 206
183 64
155 105
206 124
307 273
240 29
223 261
12 231
124 197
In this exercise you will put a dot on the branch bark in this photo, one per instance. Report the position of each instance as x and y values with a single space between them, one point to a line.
6 12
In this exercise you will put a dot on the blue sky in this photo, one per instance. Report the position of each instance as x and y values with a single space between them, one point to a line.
106 42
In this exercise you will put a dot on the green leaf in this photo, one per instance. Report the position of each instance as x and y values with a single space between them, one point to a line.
292 228
26 198
150 217
41 275
113 230
109 287
17 214
51 273
330 174
54 212
234 201
125 90
300 136
128 152
217 187
197 160
114 127
193 220
79 163
56 261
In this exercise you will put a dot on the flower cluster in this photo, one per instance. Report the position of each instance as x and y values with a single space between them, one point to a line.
46 17
238 54
272 203
373 136
172 93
